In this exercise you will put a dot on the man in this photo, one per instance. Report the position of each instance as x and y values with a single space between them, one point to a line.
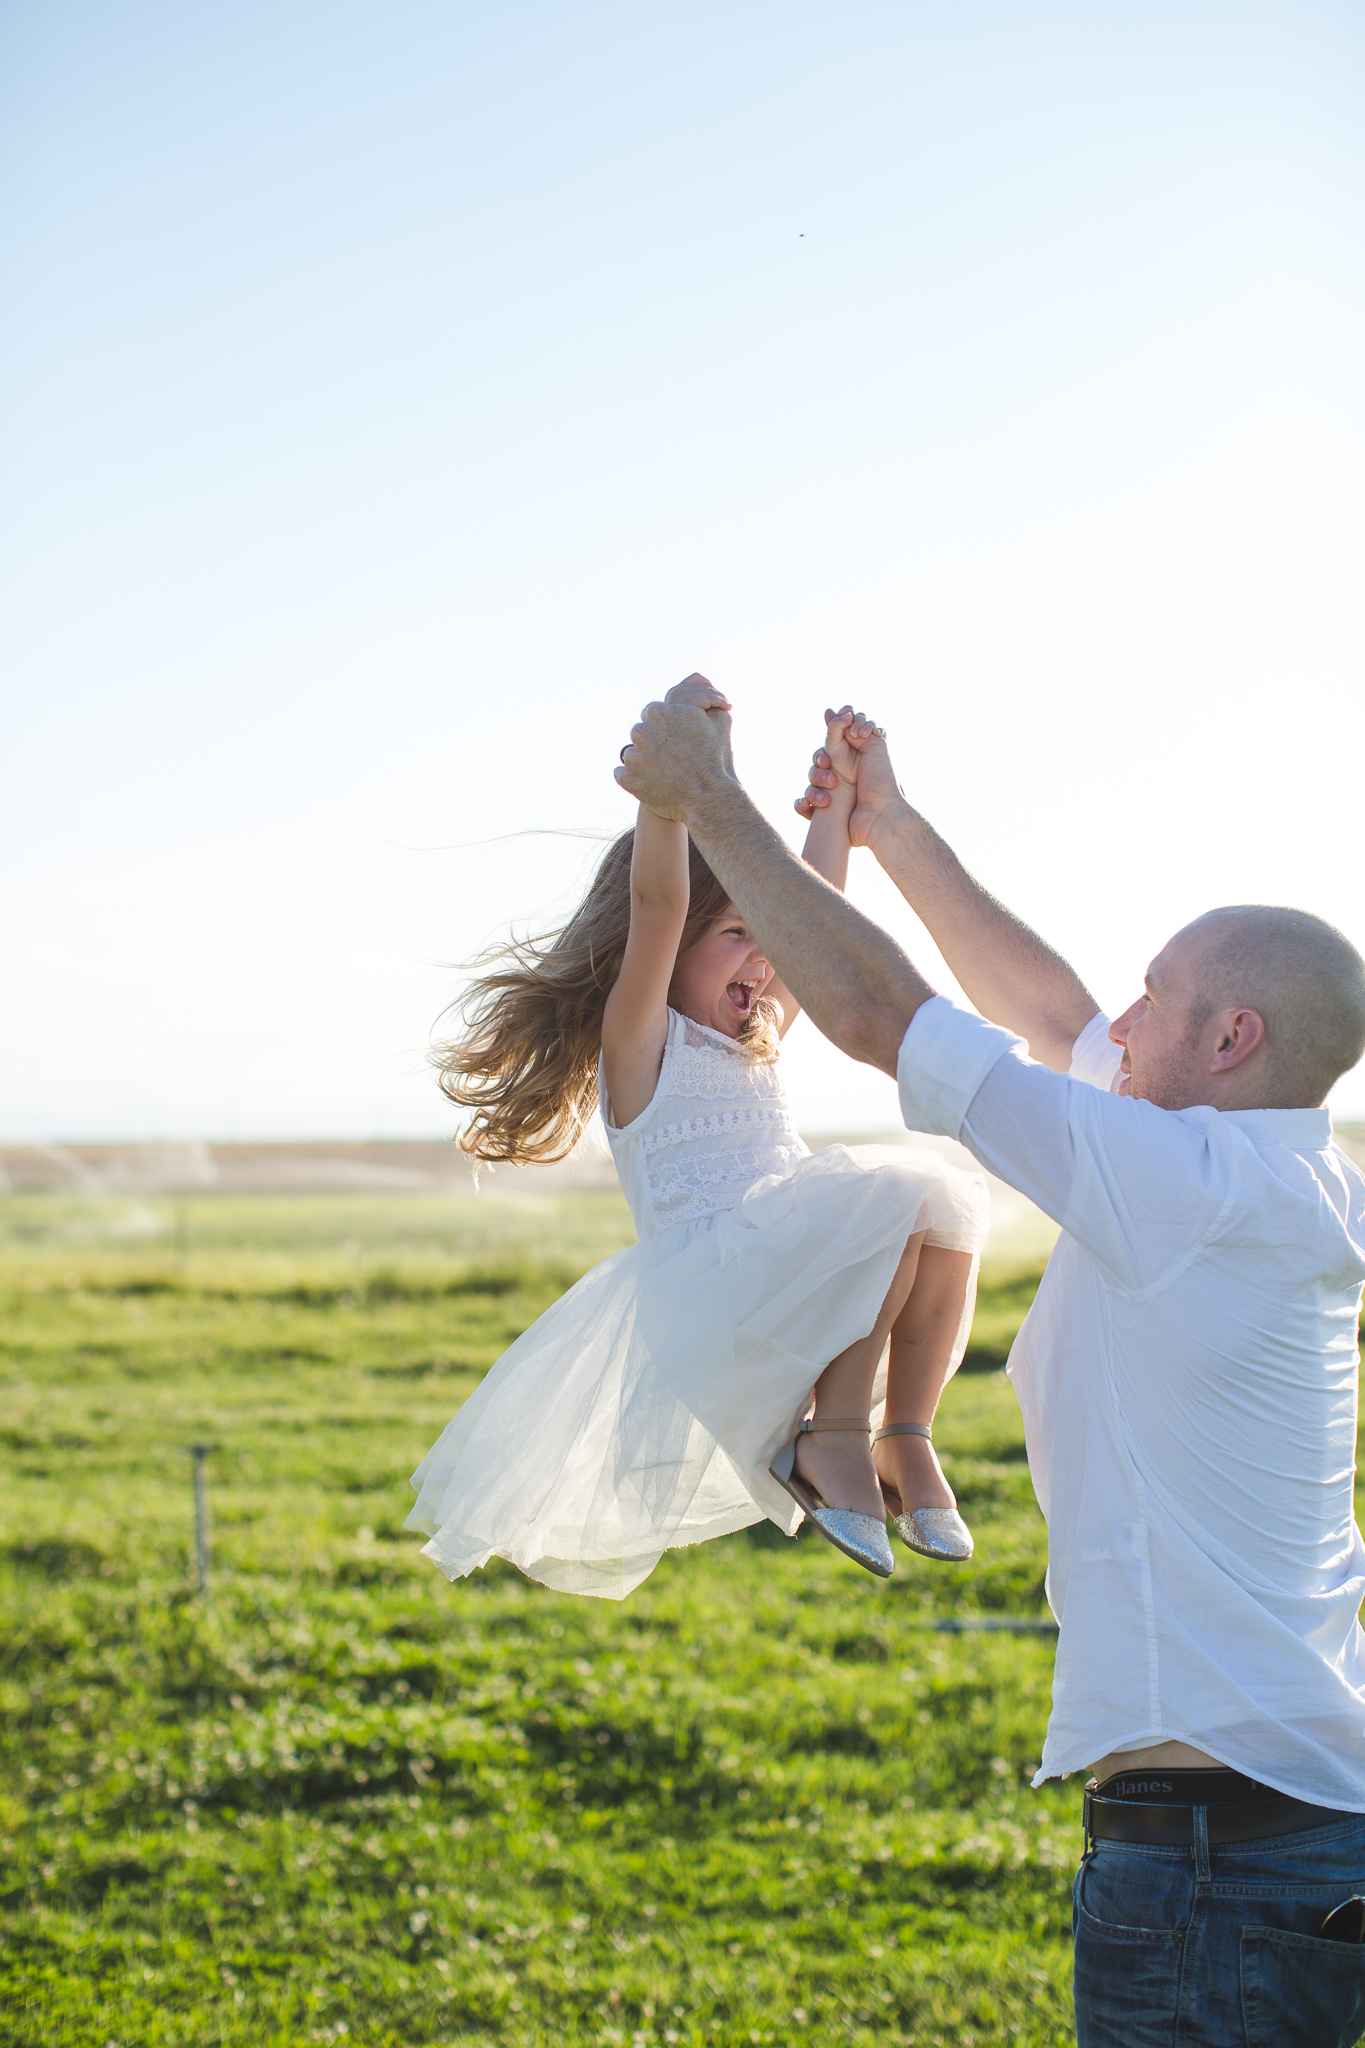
1187 1377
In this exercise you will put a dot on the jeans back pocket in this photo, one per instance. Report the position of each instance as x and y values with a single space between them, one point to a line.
1300 1992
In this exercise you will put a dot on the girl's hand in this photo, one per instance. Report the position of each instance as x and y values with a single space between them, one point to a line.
861 757
698 691
839 763
828 840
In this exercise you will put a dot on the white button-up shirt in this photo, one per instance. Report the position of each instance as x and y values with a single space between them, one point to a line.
1187 1376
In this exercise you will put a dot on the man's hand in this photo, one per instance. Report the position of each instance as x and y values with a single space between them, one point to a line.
678 748
878 792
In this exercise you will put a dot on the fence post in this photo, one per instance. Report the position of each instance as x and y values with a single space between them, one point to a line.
201 1514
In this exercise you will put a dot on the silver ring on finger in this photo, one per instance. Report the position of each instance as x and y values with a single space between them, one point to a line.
624 751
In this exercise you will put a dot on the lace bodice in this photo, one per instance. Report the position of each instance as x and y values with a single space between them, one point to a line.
717 1123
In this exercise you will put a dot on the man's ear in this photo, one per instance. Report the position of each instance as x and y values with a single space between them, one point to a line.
1239 1034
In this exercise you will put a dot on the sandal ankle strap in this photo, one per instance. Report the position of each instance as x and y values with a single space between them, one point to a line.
904 1429
812 1423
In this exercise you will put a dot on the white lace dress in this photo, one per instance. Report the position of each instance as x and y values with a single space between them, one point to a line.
641 1411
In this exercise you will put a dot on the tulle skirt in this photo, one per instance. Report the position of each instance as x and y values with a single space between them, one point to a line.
642 1410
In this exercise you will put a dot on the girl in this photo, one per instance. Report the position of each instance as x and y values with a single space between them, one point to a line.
667 1397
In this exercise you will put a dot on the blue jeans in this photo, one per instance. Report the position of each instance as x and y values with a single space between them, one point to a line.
1218 1947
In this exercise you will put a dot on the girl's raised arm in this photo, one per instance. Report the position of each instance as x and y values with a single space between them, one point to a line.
635 1021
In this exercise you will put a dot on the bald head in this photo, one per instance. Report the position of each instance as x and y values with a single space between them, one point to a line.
1300 975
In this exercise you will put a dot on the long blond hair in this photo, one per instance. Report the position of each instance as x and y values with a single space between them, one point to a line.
525 1060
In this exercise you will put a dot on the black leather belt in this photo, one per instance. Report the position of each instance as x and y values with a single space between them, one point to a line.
1158 1808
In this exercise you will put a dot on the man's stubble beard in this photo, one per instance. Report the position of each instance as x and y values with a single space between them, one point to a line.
1167 1085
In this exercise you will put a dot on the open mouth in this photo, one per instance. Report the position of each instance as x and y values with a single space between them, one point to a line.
740 996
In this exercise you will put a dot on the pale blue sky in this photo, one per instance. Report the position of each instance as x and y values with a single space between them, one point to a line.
394 397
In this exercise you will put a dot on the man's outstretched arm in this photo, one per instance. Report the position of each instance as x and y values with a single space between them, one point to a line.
1009 973
859 987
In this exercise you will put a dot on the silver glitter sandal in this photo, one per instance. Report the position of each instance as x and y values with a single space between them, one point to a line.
861 1537
939 1533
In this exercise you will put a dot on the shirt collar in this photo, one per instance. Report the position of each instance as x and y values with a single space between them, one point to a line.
1302 1130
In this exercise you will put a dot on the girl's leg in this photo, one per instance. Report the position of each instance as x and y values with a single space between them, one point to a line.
839 1464
922 1340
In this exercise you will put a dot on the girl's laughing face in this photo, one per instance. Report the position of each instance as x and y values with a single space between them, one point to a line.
720 977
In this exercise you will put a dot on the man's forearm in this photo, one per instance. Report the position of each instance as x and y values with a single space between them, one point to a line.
859 987
1010 974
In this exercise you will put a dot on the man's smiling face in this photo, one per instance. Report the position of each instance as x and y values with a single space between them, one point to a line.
1165 1059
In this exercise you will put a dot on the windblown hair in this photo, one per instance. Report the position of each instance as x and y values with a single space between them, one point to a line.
525 1060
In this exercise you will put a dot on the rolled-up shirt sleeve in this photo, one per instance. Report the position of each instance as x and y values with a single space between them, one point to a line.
1135 1184
1095 1057
944 1057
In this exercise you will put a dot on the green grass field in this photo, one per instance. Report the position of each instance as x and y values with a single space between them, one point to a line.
765 1799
